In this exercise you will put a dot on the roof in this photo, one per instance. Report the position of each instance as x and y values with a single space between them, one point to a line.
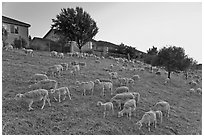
48 32
13 21
41 39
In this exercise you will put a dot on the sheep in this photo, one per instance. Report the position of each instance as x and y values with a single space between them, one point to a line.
47 84
105 85
75 69
129 107
38 77
28 51
129 81
148 118
113 75
53 54
122 81
85 86
33 96
8 47
164 107
122 98
65 66
136 97
61 91
199 91
83 64
158 73
108 106
191 91
136 77
121 89
192 83
55 70
61 55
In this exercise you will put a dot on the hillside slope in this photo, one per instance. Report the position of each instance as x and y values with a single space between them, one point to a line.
81 114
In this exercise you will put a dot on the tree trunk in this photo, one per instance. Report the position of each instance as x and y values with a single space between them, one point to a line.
169 73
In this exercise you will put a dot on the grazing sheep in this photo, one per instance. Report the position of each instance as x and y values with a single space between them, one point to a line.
33 96
164 107
61 91
136 97
53 54
108 106
47 84
192 83
121 89
65 66
129 107
122 81
122 98
136 77
148 118
28 51
105 85
85 86
129 81
38 77
191 91
8 47
55 70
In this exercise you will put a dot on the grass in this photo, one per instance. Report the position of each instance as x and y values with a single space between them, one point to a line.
81 115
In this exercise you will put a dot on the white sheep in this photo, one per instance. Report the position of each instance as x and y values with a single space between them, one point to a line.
122 98
61 91
8 47
121 89
113 75
38 77
75 69
199 91
47 84
65 66
136 77
148 118
28 51
105 85
164 107
55 70
85 86
192 83
61 55
108 106
53 54
129 107
191 91
122 81
129 82
33 96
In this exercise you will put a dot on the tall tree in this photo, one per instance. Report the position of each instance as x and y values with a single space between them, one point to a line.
173 58
76 25
152 51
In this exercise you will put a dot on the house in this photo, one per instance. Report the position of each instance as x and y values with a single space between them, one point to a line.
15 29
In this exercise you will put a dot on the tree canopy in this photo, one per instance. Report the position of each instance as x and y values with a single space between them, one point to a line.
75 25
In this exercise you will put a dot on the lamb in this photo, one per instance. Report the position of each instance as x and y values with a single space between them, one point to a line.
129 107
148 118
105 85
129 82
121 89
192 83
47 84
53 54
75 69
65 66
38 77
163 106
85 86
122 81
8 47
61 91
191 91
108 106
33 96
136 77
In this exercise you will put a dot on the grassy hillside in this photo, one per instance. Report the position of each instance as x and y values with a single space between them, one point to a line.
81 115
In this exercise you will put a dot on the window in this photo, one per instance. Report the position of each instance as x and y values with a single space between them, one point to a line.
14 29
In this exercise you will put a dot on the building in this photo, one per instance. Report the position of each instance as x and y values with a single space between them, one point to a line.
15 29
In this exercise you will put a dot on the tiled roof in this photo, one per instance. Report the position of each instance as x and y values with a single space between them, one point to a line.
13 21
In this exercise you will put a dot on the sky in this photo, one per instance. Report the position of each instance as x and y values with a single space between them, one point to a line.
137 24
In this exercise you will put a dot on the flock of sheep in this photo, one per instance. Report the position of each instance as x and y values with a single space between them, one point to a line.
122 98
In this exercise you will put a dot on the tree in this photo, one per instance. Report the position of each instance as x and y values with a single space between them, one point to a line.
152 51
76 25
4 36
173 58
